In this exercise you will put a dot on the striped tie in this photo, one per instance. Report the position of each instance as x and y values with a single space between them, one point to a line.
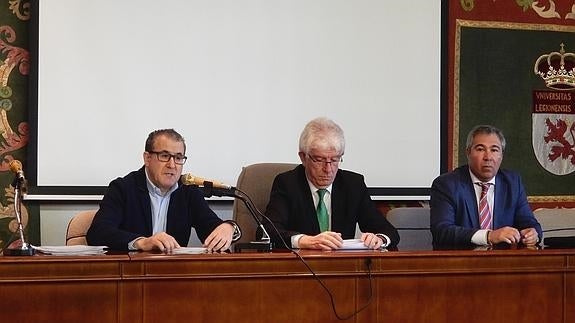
321 211
485 217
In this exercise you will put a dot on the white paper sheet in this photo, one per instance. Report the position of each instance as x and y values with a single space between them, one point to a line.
71 250
353 244
189 251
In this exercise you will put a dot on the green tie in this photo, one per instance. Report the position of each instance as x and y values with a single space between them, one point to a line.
322 211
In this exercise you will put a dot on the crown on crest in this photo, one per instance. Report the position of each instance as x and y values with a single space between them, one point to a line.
557 69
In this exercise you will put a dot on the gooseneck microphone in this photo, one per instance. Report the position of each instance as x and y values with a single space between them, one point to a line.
215 188
189 179
16 167
24 248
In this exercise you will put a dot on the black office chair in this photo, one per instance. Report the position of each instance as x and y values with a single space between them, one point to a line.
412 223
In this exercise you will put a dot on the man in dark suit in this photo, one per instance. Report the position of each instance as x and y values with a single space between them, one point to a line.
310 219
150 209
480 204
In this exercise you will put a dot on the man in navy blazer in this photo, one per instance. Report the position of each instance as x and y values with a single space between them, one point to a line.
150 209
456 197
293 205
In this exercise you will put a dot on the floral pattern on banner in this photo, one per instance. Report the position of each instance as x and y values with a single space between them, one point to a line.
14 133
544 9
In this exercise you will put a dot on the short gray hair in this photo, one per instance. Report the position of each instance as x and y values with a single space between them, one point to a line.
486 130
322 133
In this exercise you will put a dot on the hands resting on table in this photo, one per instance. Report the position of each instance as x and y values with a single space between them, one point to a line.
219 240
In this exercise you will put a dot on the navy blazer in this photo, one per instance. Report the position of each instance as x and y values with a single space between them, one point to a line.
125 213
454 214
292 210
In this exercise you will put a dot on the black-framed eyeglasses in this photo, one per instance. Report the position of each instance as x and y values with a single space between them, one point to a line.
164 156
333 161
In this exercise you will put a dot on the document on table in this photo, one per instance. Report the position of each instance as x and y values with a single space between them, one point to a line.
189 250
353 244
356 244
78 250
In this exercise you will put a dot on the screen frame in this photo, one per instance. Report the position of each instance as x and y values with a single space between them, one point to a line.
37 192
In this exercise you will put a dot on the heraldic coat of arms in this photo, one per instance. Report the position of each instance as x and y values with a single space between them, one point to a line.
553 134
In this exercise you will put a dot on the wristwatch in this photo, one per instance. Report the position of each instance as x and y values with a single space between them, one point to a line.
237 231
384 239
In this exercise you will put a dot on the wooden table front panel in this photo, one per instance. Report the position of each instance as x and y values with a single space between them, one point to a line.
249 288
436 286
60 289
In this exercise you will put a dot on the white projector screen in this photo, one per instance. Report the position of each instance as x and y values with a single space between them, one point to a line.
238 79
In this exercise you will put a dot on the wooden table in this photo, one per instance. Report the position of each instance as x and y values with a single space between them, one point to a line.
431 286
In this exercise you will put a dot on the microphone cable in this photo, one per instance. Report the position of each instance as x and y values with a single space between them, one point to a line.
314 275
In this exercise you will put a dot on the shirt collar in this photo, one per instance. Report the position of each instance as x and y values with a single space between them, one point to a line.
474 179
314 189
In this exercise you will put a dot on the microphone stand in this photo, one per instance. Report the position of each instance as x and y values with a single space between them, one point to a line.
264 244
25 249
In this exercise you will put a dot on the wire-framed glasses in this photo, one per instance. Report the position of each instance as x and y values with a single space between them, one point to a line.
333 161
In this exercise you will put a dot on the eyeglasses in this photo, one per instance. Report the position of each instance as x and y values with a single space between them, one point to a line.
165 157
333 161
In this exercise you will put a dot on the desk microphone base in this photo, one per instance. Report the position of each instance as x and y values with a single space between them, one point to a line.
257 246
19 252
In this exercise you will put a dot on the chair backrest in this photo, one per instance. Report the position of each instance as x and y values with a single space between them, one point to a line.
412 223
256 181
78 226
558 222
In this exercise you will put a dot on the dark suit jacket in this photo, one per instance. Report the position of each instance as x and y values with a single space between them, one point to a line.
125 214
454 214
292 210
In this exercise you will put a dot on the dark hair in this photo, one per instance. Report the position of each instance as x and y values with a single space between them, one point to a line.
170 133
487 130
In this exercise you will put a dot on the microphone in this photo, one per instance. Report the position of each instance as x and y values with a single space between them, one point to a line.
211 188
25 249
189 179
16 167
19 181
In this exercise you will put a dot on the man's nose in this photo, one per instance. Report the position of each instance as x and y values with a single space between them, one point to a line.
171 162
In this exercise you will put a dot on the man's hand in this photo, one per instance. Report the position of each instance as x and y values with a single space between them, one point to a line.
506 234
220 239
161 240
529 237
327 240
371 241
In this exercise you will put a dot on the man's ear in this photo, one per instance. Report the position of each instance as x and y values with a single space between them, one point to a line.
146 157
302 157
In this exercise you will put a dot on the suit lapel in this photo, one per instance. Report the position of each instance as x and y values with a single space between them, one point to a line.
309 216
173 216
338 198
470 198
500 189
143 195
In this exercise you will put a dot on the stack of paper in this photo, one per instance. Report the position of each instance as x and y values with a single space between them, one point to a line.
78 250
356 244
189 250
353 244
